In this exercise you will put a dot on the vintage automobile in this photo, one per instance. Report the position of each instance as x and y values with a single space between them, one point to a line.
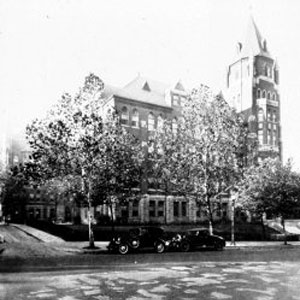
200 238
151 237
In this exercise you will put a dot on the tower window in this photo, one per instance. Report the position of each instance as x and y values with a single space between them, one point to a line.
260 137
274 97
260 115
264 94
258 93
269 95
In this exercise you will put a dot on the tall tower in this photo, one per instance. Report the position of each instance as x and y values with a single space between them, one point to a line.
252 88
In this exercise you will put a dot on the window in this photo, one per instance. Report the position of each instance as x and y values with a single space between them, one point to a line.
152 208
176 209
260 125
160 122
260 115
264 94
260 137
174 126
269 137
135 118
183 209
176 100
151 121
274 97
258 94
274 116
124 116
275 139
269 96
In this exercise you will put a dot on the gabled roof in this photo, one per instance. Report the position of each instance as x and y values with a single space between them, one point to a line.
254 44
142 89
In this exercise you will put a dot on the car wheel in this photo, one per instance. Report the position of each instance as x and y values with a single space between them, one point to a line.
218 246
123 249
185 246
159 247
134 244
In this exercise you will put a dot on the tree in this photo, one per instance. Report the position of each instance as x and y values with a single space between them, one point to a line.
271 188
206 149
73 141
14 192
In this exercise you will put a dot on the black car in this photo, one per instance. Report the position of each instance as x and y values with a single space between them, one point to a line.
140 238
201 238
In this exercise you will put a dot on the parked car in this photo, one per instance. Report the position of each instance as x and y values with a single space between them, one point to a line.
201 238
140 238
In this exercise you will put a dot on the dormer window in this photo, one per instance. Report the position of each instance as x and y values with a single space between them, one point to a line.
146 87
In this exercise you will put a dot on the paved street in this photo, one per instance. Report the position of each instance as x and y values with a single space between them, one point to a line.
204 280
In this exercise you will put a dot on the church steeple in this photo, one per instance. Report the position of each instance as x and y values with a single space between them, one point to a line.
255 43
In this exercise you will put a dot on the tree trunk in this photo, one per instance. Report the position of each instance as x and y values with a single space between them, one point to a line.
210 215
263 227
112 216
91 233
284 231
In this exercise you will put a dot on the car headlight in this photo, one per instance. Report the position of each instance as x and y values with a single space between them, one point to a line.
167 243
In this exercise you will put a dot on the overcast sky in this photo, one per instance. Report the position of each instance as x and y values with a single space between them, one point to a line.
48 47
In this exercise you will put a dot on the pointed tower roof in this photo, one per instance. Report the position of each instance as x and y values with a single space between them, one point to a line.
255 43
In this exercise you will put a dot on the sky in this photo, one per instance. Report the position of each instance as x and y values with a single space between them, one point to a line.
48 47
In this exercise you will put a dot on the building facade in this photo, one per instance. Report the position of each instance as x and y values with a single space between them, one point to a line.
253 90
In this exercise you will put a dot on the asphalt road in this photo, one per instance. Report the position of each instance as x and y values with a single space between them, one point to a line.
262 274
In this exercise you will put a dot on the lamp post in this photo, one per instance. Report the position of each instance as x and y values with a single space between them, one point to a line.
233 199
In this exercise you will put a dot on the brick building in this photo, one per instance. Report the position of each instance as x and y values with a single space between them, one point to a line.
253 89
143 104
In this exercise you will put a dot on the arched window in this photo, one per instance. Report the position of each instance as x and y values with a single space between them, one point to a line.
269 95
174 125
260 115
124 116
151 121
274 97
258 93
160 122
135 118
274 116
264 94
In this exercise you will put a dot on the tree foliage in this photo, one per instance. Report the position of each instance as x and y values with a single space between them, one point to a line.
271 188
75 143
205 155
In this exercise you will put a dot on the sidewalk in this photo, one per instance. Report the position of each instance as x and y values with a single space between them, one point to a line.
80 247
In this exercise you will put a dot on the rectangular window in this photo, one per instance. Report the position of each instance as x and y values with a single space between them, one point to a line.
176 209
152 208
161 203
260 125
135 213
183 209
176 100
160 213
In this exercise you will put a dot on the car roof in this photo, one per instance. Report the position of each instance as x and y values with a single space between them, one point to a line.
198 229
